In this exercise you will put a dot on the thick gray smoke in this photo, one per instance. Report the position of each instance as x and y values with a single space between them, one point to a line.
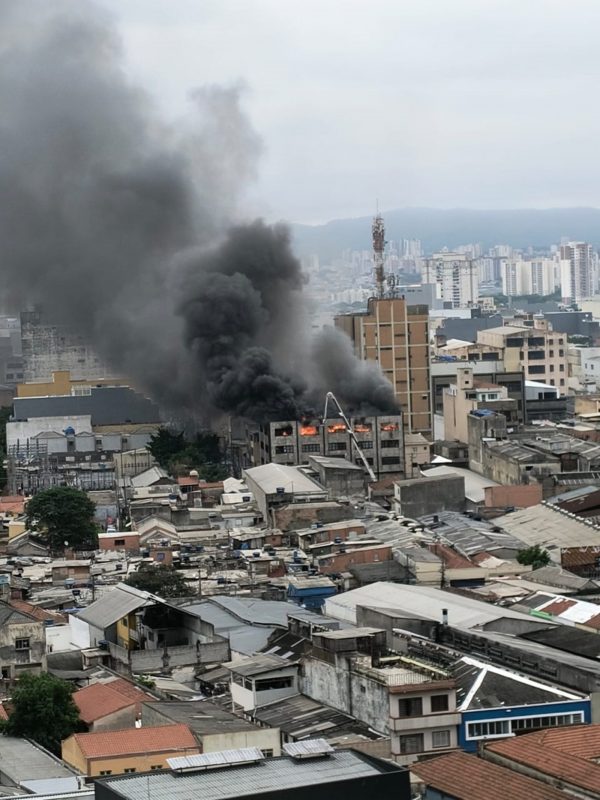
124 226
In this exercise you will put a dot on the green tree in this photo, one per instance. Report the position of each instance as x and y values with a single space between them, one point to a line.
160 579
42 709
164 445
63 514
535 556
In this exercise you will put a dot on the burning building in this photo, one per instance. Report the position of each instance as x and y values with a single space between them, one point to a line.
292 442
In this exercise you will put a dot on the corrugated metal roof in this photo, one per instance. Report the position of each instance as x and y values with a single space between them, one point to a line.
273 774
113 605
420 601
270 477
548 526
21 760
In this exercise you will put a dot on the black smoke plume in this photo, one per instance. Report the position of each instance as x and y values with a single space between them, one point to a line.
126 227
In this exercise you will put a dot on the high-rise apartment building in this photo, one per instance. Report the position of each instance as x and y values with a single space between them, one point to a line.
535 276
578 271
457 277
396 335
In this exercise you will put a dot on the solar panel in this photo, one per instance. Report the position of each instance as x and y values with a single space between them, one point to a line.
225 758
309 748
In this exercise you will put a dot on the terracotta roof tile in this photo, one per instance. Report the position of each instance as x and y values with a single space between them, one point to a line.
131 741
558 606
130 690
99 700
450 557
467 777
578 556
37 612
564 756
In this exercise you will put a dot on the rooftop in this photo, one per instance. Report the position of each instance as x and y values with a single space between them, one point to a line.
424 602
22 761
202 717
475 484
550 527
270 775
117 603
566 754
99 700
271 477
257 665
467 777
161 739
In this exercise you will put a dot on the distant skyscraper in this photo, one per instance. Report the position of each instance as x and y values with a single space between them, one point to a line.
456 276
578 271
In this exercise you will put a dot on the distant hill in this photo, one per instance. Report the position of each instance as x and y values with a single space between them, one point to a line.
437 228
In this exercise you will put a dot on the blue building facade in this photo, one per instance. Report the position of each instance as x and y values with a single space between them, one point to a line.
503 721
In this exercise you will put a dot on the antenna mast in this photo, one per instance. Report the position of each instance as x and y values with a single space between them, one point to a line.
378 250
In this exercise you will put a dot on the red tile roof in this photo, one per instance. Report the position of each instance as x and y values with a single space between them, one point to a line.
133 741
564 755
578 556
37 612
13 504
99 700
450 557
128 689
467 777
185 481
558 606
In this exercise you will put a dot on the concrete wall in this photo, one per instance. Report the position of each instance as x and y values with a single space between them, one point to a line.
16 661
421 496
182 656
517 496
118 720
295 516
354 694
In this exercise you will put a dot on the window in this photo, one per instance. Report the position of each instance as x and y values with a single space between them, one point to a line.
536 341
511 342
440 739
124 621
311 448
337 446
106 772
551 367
410 707
368 445
390 460
551 353
267 753
284 448
391 443
273 683
536 355
22 644
536 369
119 542
479 730
156 766
129 769
439 702
411 743
561 367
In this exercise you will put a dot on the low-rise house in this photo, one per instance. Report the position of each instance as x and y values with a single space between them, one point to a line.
346 557
22 643
127 751
104 709
262 679
214 727
310 592
564 757
459 776
128 541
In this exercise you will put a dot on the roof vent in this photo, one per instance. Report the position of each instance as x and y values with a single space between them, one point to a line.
206 761
309 748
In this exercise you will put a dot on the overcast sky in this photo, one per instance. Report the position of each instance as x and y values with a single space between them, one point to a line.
467 103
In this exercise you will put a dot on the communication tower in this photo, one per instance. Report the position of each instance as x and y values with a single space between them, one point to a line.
378 254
